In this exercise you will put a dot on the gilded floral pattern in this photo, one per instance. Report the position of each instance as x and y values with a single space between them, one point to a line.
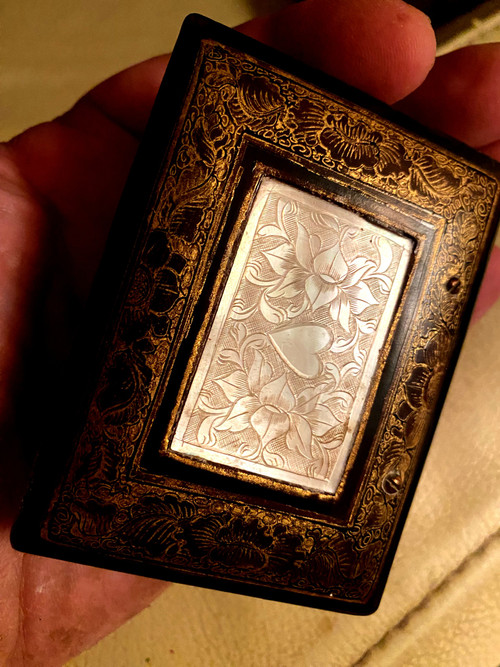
233 96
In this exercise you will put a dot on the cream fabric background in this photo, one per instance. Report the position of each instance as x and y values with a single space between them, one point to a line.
442 602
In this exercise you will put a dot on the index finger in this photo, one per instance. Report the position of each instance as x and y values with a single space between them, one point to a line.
384 47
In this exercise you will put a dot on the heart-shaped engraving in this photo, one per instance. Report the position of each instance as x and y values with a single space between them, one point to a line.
299 346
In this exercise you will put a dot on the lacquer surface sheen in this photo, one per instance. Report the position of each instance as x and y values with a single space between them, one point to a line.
284 377
270 337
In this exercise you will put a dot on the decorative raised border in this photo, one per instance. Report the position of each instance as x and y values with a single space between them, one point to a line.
108 504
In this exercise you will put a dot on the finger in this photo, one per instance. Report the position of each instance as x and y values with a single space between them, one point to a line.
461 95
23 240
79 162
66 607
78 165
493 150
127 97
384 47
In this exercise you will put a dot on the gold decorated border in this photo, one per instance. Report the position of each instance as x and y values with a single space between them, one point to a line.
100 505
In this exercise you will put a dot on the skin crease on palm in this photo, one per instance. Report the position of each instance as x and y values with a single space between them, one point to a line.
59 186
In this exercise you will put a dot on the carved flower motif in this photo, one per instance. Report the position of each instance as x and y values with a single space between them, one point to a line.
247 544
324 275
259 102
433 180
123 394
422 386
268 406
358 145
233 542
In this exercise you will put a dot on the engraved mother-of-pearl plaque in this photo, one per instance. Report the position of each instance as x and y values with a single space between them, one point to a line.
283 379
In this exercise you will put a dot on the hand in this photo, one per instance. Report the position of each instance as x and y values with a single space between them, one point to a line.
59 185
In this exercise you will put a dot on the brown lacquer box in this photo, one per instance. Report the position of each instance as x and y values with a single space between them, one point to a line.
270 337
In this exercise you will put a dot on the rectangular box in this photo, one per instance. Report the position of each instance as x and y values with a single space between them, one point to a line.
291 272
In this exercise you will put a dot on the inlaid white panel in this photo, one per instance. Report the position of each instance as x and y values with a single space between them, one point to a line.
282 383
